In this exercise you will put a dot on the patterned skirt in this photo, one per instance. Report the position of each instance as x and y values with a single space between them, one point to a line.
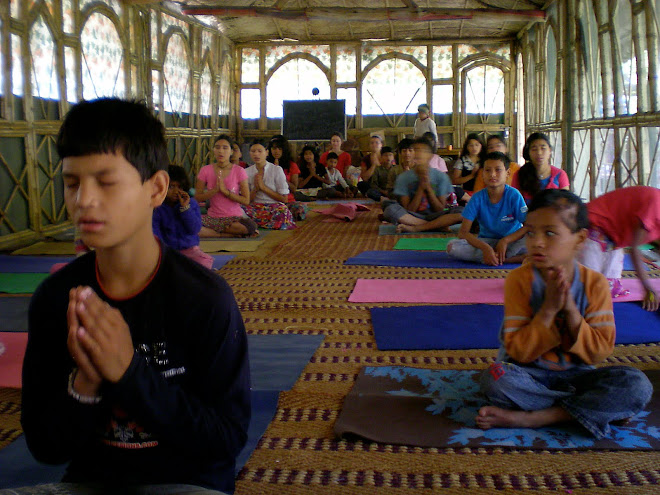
219 224
298 210
276 216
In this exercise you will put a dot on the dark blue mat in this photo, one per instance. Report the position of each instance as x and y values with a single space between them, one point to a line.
42 264
476 326
421 259
276 361
220 260
30 264
14 313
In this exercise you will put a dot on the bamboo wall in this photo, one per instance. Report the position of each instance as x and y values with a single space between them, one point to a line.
596 94
31 199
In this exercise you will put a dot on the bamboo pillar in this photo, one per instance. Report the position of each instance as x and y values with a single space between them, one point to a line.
569 96
333 72
429 78
639 42
652 47
7 110
616 62
639 45
459 124
238 61
359 121
602 18
262 88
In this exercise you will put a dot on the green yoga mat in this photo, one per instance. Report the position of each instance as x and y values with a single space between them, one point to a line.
20 283
425 244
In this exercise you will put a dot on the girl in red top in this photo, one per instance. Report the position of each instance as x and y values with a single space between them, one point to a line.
344 158
537 174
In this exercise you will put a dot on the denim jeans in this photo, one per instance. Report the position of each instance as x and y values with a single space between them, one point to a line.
593 396
463 250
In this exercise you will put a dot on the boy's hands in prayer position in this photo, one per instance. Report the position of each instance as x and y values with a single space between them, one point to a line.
99 340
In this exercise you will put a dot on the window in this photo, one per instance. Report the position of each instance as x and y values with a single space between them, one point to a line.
177 76
295 80
393 87
102 59
484 92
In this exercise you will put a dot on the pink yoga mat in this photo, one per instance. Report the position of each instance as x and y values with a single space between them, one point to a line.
440 291
11 360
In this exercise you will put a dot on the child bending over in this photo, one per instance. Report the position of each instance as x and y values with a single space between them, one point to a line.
629 216
177 221
500 210
558 323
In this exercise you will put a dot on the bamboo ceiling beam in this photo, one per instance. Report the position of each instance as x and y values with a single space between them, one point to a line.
369 14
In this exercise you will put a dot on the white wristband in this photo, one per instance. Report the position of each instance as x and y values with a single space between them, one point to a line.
83 399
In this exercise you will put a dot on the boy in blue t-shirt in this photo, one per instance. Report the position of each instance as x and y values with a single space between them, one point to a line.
500 210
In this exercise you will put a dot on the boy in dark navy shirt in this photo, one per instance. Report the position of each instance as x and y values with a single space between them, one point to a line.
136 369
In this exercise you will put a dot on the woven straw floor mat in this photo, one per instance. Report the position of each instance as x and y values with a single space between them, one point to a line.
299 285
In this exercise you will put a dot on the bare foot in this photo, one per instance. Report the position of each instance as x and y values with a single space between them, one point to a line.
402 227
493 417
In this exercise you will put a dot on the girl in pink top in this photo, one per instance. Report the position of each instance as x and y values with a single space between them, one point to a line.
226 187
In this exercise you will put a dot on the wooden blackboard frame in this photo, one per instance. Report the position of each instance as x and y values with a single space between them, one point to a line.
313 120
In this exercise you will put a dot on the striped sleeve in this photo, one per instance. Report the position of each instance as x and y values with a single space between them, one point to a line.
596 337
524 337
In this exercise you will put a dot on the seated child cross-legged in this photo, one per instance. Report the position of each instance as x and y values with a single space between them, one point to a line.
225 186
337 186
268 191
422 195
500 210
177 221
558 323
136 369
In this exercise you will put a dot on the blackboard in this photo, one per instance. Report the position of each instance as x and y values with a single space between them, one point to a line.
313 120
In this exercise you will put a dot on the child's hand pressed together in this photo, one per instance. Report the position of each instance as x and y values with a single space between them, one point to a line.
99 339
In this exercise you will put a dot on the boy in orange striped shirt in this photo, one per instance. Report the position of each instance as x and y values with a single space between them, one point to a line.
558 323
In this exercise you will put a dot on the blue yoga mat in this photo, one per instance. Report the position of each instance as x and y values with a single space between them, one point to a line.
421 259
476 326
30 264
220 260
